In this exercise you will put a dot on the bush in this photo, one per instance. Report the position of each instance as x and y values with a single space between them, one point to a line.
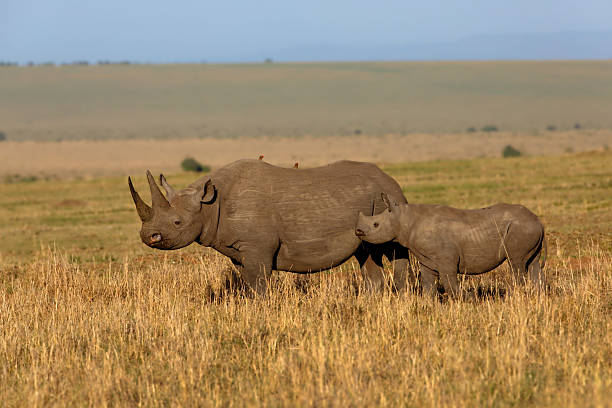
489 128
191 164
471 129
577 125
551 128
510 151
2 137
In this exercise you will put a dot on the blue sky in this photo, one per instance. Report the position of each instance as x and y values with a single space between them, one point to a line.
167 31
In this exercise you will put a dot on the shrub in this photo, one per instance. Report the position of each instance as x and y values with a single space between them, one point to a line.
471 129
2 136
489 128
18 178
577 125
191 164
510 151
551 128
358 131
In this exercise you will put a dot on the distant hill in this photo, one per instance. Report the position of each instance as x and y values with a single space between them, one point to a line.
301 99
548 46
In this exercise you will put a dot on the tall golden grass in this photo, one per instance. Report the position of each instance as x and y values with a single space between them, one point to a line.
168 330
100 319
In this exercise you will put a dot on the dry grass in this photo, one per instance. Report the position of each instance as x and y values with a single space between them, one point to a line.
152 332
103 320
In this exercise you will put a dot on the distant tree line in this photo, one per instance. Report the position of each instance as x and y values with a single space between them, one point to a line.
52 64
86 62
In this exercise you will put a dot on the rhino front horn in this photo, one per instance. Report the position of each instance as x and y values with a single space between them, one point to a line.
157 198
144 211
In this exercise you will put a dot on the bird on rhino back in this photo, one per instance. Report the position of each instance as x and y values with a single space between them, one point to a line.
265 217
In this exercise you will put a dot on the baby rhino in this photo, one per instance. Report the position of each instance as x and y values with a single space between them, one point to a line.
448 240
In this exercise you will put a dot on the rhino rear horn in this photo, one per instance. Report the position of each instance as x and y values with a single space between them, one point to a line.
144 211
157 198
170 193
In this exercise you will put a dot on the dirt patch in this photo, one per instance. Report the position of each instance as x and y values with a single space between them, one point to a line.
123 157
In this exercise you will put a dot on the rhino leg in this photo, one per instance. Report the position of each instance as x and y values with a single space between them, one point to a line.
534 270
448 277
404 278
428 280
256 273
518 266
536 276
370 261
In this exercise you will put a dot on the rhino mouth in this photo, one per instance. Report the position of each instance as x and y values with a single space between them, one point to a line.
155 239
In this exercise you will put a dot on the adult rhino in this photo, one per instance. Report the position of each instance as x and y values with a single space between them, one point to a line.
265 217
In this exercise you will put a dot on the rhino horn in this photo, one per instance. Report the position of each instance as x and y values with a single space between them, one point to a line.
170 193
157 198
144 211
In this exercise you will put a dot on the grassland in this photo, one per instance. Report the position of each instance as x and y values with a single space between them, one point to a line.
289 100
89 316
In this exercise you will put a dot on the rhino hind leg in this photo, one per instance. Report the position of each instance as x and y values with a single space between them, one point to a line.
518 266
524 261
535 273
370 262
534 270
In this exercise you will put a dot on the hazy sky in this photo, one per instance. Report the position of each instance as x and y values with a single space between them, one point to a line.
190 30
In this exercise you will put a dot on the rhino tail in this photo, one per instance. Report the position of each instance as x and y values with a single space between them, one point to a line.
543 252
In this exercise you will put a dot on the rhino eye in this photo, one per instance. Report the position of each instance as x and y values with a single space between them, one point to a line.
177 222
375 225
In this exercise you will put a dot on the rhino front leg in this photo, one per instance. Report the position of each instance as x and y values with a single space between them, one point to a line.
256 273
404 277
428 280
448 277
370 261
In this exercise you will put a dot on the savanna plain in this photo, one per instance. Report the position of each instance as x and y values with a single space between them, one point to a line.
88 315
91 316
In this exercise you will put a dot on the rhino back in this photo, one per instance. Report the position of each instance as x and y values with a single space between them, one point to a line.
479 235
311 213
305 203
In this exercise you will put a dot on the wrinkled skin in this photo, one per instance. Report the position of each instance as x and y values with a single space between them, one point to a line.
448 241
265 217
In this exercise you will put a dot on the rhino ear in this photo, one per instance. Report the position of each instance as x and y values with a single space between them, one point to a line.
202 191
209 193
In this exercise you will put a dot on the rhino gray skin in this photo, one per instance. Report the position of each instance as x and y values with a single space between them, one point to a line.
265 217
447 240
